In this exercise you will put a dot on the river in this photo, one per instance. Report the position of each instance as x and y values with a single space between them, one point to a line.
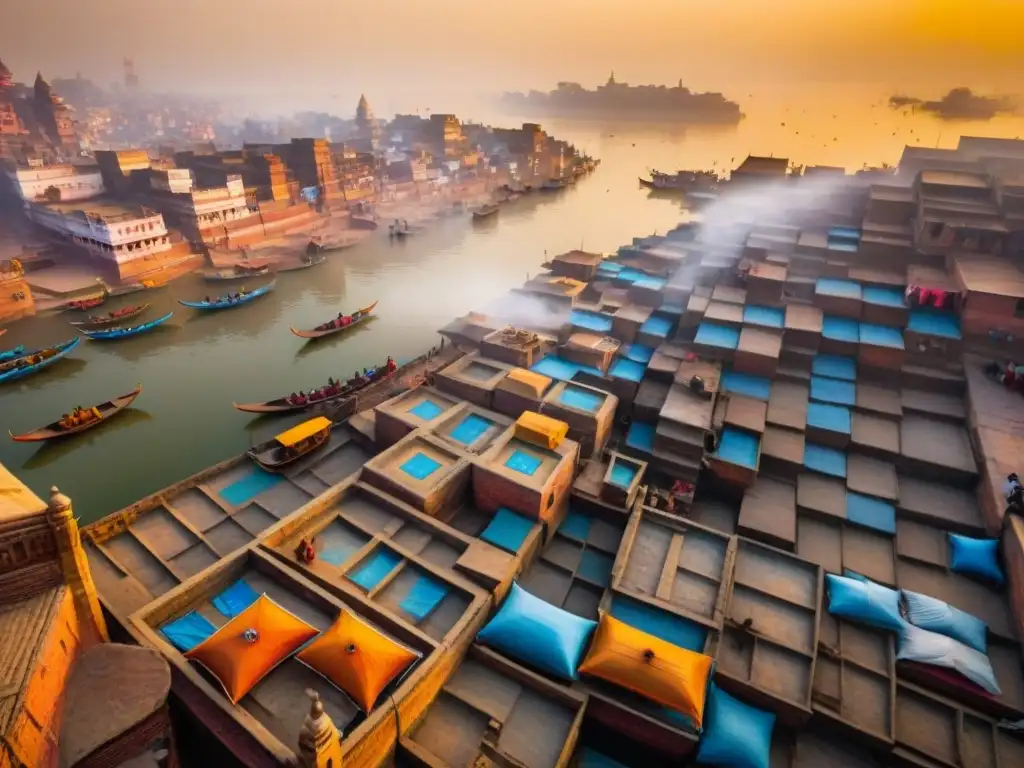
194 367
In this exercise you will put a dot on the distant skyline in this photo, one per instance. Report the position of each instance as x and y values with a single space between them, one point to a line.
277 56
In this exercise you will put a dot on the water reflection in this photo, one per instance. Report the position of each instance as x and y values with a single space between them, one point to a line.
66 368
136 348
51 451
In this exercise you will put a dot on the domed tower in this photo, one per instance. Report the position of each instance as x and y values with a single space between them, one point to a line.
55 117
367 127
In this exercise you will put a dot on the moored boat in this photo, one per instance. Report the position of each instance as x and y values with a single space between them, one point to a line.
329 394
327 243
307 261
84 305
12 354
79 420
682 181
337 324
36 361
96 321
229 300
109 334
292 445
237 272
485 212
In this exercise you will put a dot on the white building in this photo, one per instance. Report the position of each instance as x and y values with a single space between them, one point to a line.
112 232
176 180
73 182
201 213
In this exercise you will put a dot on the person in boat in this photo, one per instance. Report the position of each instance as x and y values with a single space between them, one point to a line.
392 366
208 299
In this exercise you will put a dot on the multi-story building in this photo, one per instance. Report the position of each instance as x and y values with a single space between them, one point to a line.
62 182
444 134
357 172
201 214
112 232
118 166
264 174
11 128
55 118
313 165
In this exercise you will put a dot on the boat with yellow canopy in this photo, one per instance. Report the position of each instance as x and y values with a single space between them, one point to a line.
293 444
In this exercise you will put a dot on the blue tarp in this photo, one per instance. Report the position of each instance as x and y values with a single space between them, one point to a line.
826 460
337 553
757 387
375 568
834 418
883 296
249 487
870 512
640 437
939 616
523 462
847 289
581 399
651 283
235 599
766 316
627 369
840 329
835 367
576 525
934 323
828 390
922 646
623 474
423 597
738 446
638 353
713 335
555 367
507 530
654 621
592 321
470 429
419 466
735 733
656 326
426 410
881 335
188 631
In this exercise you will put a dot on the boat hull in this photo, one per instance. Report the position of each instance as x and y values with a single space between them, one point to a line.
12 354
281 404
59 351
214 306
100 322
262 454
231 275
365 314
107 410
113 334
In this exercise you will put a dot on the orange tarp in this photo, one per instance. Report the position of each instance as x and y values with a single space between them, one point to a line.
541 430
357 658
247 648
674 677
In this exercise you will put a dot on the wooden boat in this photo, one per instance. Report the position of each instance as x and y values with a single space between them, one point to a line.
329 328
485 211
292 445
36 361
96 321
306 262
12 354
227 302
110 334
83 305
327 243
237 272
61 428
324 395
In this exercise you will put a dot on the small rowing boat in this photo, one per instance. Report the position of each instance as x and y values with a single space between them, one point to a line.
328 243
485 212
36 361
340 323
98 321
79 420
328 394
12 354
84 305
292 445
110 334
305 262
229 300
237 272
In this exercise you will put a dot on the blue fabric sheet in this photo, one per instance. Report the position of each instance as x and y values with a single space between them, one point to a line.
770 317
871 512
975 557
375 568
555 367
423 597
419 466
881 335
576 525
426 410
581 399
235 599
640 437
840 329
651 283
668 626
470 429
834 418
627 369
826 390
523 462
188 631
714 335
656 326
638 353
939 616
863 601
736 734
507 530
883 296
738 446
826 460
835 367
828 286
249 487
592 321
623 474
757 387
933 322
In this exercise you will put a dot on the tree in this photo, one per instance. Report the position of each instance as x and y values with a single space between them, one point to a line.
51 194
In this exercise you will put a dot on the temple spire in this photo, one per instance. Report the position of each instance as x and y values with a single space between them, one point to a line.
319 740
611 78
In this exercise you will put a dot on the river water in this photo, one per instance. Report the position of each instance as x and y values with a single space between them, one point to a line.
195 366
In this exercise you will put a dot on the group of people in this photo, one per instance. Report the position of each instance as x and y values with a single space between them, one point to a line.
78 417
229 298
336 386
340 321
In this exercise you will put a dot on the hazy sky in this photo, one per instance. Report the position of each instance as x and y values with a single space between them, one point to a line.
285 54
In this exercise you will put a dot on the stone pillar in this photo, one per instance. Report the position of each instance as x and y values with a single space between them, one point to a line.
319 740
75 566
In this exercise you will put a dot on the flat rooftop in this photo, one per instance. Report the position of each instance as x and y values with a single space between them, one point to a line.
108 210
